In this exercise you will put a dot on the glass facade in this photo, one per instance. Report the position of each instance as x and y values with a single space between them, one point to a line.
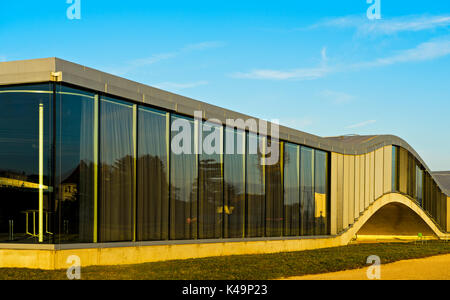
74 162
184 179
26 119
234 184
153 175
83 167
411 179
117 171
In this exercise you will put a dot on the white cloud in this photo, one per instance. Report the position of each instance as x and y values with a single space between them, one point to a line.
362 124
337 97
423 52
156 58
180 86
295 74
298 74
388 26
2 58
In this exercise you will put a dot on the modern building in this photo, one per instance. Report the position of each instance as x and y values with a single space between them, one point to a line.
90 165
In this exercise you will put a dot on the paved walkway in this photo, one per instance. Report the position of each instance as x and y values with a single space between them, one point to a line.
431 268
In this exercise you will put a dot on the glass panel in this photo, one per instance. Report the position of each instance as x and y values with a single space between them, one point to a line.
321 194
74 178
153 185
419 190
234 177
211 206
395 163
307 190
274 195
184 180
255 188
291 189
23 145
116 171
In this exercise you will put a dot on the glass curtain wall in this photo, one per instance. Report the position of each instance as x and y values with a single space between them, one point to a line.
321 193
274 193
117 171
291 189
234 183
26 116
255 210
184 179
150 183
153 175
74 178
307 190
211 205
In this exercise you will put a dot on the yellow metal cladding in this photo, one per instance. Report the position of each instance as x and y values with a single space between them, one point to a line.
340 192
387 169
379 172
351 190
448 214
346 189
357 185
362 177
333 193
367 181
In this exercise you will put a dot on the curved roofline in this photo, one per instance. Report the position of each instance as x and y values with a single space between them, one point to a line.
58 70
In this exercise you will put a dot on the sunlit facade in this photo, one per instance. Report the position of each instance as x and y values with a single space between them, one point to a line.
80 164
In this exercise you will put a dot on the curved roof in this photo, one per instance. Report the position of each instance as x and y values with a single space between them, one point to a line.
55 69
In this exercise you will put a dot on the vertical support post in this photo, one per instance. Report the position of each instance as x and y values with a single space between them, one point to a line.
135 141
41 173
96 154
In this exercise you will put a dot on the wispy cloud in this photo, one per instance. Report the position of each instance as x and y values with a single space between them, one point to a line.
180 86
2 58
388 26
423 52
297 74
362 124
337 97
159 57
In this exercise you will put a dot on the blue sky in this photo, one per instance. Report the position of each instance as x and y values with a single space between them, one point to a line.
336 70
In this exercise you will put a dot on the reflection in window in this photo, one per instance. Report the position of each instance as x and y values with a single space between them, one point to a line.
153 185
22 145
291 189
307 190
117 171
255 188
234 183
211 206
184 180
75 164
321 193
274 196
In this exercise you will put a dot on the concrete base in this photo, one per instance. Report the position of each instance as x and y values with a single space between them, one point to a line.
46 257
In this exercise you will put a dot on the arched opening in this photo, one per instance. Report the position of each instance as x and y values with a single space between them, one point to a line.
395 221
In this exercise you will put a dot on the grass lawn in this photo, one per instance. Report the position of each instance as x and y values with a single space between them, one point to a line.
250 267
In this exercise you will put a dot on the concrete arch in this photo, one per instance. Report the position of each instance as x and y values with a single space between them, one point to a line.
391 199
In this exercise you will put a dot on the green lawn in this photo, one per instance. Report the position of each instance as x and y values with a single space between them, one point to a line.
251 267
